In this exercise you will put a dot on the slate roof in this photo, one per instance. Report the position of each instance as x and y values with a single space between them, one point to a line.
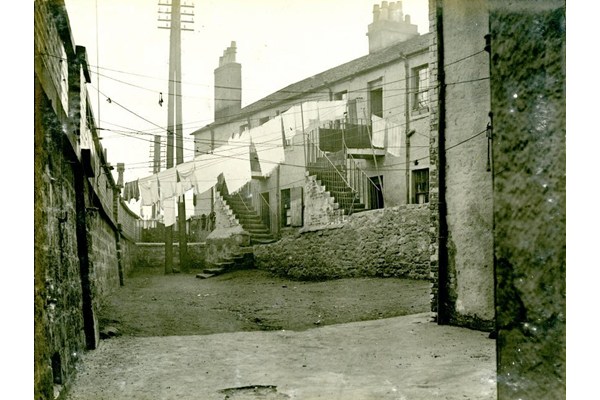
333 75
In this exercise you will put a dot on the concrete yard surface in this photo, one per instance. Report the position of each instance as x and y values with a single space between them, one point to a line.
401 358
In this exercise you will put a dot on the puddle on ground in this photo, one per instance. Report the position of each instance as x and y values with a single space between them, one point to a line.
254 392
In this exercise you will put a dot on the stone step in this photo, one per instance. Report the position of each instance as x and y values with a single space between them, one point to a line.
261 235
257 231
254 226
214 271
262 241
204 276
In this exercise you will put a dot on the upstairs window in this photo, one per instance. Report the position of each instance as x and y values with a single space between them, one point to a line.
341 95
420 87
420 178
376 97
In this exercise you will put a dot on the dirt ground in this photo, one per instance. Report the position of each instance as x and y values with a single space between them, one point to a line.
154 304
247 335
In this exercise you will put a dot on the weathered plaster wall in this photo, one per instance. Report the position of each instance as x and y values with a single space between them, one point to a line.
468 286
528 102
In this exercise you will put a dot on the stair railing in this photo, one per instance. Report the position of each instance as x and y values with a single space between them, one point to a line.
348 173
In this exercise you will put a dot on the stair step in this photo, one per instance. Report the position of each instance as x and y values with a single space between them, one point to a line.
204 276
261 236
257 231
262 241
214 271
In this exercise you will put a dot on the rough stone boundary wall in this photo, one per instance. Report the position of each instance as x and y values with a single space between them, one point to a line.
386 242
152 255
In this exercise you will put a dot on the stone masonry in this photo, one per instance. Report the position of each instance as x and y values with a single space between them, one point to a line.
389 242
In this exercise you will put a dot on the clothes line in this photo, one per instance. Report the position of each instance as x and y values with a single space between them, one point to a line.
233 159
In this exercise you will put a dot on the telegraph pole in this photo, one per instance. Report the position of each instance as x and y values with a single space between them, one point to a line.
174 118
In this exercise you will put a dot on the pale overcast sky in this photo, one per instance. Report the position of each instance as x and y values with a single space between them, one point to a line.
279 42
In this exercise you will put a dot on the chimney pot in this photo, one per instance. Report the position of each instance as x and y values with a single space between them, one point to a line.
384 14
376 12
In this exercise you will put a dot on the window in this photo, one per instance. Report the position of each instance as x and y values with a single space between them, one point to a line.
420 178
243 128
376 97
263 120
343 95
421 81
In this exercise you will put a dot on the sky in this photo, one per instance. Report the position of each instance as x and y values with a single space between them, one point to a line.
278 43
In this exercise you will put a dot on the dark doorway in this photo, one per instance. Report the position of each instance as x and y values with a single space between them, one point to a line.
265 210
286 216
376 192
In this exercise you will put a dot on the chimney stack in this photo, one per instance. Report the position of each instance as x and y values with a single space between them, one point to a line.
228 84
121 171
389 26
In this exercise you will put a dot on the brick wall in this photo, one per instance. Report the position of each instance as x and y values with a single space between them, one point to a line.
386 242
528 102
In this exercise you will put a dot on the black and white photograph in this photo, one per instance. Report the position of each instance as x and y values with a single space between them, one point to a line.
285 199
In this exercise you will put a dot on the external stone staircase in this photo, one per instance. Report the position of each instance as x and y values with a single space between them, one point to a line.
346 198
249 219
241 258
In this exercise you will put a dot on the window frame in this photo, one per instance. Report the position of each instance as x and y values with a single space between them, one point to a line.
415 185
418 91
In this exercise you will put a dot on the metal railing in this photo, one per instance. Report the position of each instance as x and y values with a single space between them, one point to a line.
342 176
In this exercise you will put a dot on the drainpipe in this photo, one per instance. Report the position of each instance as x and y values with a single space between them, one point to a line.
407 124
443 224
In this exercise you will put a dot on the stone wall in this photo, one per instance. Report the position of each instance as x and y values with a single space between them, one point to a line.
386 242
320 207
528 101
58 319
152 255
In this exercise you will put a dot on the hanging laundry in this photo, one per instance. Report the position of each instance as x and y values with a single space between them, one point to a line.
131 191
170 215
207 168
331 110
378 131
168 183
310 112
185 172
149 190
238 172
394 135
268 143
292 122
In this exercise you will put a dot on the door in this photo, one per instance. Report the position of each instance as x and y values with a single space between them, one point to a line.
265 210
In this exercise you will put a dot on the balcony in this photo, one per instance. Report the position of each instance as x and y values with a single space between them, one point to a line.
354 138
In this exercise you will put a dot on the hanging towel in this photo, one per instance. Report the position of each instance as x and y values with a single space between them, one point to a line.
268 143
378 131
310 111
292 122
394 134
168 183
185 171
207 169
168 206
149 190
331 110
237 171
